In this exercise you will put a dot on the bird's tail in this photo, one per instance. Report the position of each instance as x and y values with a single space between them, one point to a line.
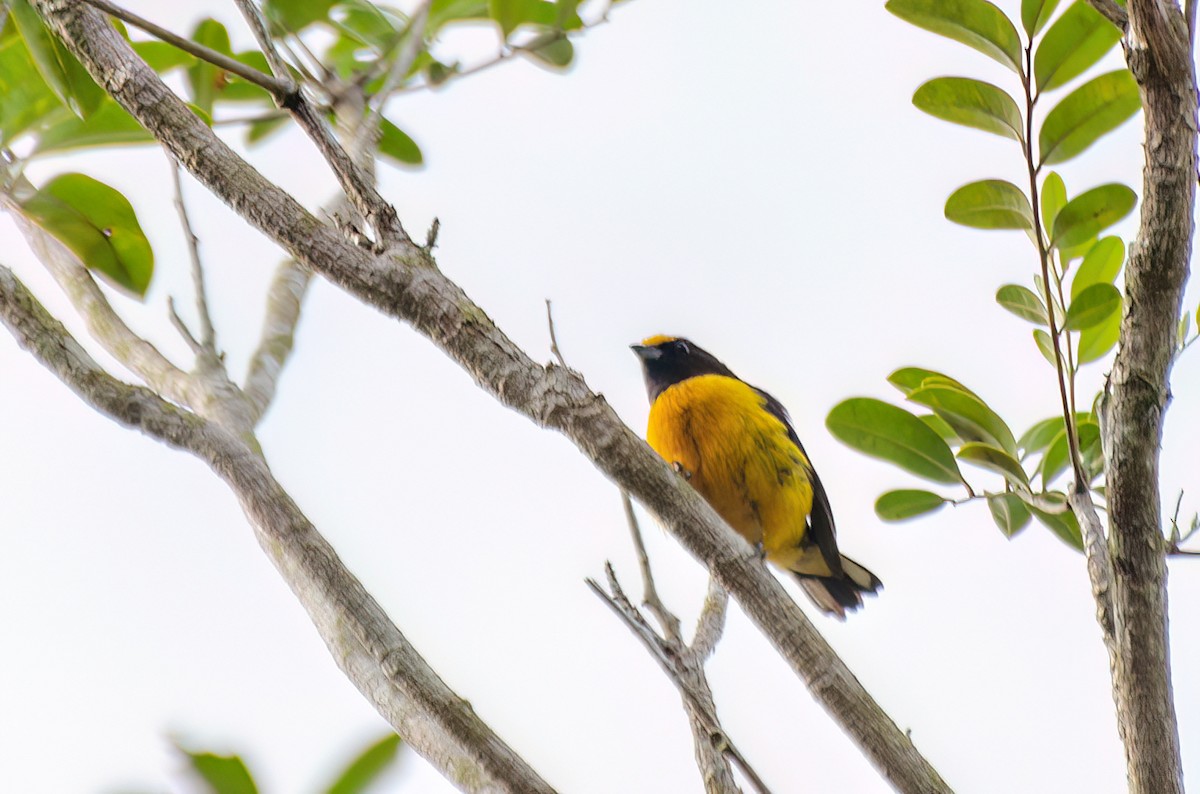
836 594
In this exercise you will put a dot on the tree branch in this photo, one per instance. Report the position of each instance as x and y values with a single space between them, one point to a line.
1158 50
284 299
368 647
1112 12
405 284
208 335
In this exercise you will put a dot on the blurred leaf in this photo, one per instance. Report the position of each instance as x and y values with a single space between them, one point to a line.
972 103
292 16
367 767
1052 511
1038 437
98 224
511 14
941 427
1100 266
1091 212
225 774
58 67
1022 302
1009 513
204 79
378 27
990 204
444 12
1185 325
437 72
568 14
25 99
1090 450
1095 342
1093 306
1076 40
893 434
905 504
970 417
1086 114
1045 345
1054 198
558 53
1035 14
395 145
976 23
110 125
236 89
258 131
1056 459
162 57
994 459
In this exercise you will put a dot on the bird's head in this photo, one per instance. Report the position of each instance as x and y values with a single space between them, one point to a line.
667 360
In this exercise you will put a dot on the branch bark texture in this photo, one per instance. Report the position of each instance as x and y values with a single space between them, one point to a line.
404 283
1159 53
362 639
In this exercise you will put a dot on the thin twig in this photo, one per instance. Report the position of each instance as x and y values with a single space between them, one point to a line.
180 326
664 616
208 335
710 626
553 339
258 25
278 88
415 38
284 299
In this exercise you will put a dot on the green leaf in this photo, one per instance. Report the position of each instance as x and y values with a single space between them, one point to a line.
25 99
1100 265
994 459
258 131
1086 114
1091 212
1038 437
395 145
941 427
363 770
1096 342
1035 14
444 12
59 68
557 52
970 417
1185 326
293 16
905 504
884 431
225 774
98 224
1091 451
235 89
162 57
110 125
1045 345
511 14
972 103
990 204
204 79
1022 302
1052 511
1009 513
1054 198
1056 459
908 379
1093 306
369 24
1075 41
976 23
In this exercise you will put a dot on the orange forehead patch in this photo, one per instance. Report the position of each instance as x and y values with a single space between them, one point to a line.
655 341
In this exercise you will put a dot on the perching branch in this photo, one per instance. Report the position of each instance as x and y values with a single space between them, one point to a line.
368 647
403 282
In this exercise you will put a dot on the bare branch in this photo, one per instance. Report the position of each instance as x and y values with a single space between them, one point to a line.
365 643
405 284
277 88
711 623
258 25
664 616
415 37
208 336
284 299
180 326
1112 12
562 362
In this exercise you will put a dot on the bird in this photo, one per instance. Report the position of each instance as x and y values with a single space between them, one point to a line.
736 445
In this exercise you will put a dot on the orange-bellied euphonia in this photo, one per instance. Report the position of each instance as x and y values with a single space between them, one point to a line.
735 444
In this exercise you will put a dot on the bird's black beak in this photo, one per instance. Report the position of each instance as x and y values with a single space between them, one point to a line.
645 353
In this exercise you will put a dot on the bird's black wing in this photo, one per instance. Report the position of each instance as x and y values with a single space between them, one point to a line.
820 519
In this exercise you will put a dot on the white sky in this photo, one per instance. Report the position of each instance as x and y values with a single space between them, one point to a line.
750 175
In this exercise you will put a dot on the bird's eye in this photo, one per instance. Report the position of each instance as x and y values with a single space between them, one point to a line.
682 346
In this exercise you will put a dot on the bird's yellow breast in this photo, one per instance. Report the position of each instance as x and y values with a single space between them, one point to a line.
738 456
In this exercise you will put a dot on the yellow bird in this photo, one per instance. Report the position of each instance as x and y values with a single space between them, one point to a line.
735 444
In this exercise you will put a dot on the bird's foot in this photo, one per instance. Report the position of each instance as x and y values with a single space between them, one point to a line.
678 467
